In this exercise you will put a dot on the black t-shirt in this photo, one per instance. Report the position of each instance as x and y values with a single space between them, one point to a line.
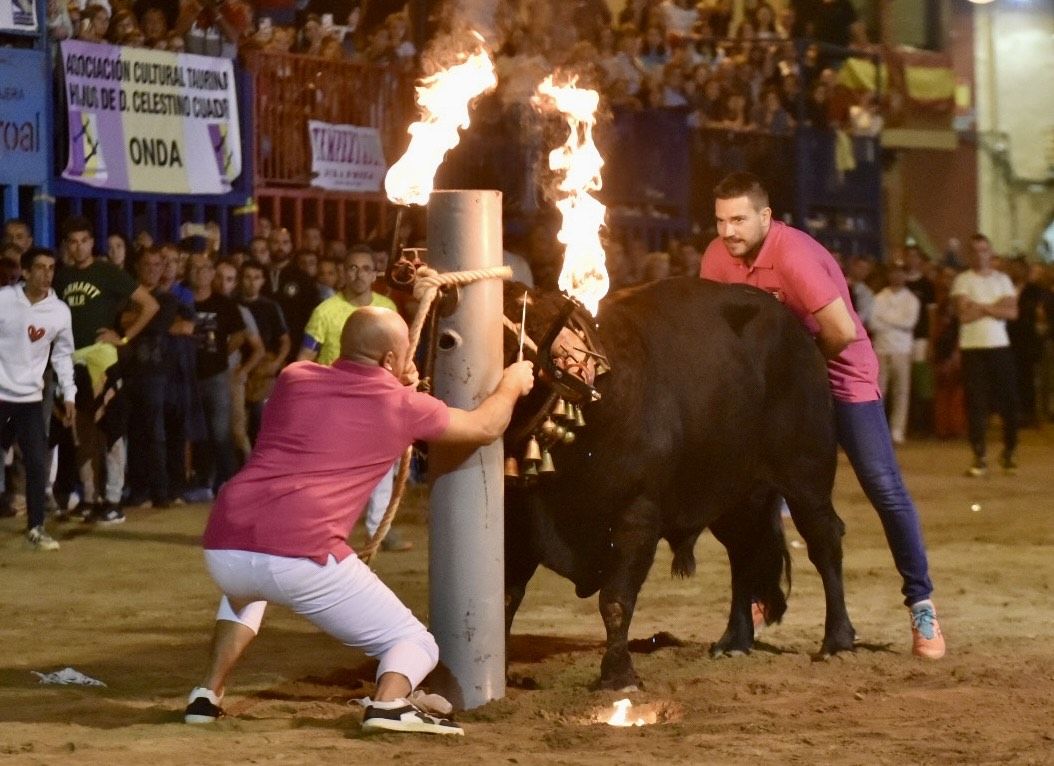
95 295
149 349
269 321
297 295
218 318
924 291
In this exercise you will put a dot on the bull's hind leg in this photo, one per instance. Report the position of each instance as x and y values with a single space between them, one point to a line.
633 542
757 555
822 531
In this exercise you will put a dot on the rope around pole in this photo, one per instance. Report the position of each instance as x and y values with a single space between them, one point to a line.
426 287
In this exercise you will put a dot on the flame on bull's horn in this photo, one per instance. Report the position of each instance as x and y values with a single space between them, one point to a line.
622 717
584 274
444 99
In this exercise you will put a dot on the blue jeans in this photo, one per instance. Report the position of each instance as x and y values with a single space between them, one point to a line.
147 447
23 418
864 435
214 460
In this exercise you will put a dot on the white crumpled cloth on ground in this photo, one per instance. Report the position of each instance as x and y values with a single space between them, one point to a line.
67 676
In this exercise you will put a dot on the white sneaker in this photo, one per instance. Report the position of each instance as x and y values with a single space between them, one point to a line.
401 715
39 540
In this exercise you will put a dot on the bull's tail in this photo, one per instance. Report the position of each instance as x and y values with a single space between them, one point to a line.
773 567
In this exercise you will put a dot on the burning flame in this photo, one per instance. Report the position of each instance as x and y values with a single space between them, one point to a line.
621 716
584 274
443 98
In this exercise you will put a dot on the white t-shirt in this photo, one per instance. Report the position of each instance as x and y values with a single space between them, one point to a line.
986 332
679 21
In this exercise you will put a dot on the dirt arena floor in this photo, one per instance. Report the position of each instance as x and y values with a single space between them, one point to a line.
132 606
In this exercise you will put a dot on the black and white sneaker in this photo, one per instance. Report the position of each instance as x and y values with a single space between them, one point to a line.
400 715
108 515
203 707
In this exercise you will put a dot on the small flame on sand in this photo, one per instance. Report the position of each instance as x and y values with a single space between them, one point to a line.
584 274
444 100
622 715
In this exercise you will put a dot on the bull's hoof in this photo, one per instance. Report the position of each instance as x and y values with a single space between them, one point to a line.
840 641
731 645
623 682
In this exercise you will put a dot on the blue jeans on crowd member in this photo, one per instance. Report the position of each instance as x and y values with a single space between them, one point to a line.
863 433
214 459
147 470
25 424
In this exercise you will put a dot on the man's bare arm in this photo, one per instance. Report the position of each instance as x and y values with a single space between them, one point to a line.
837 329
490 419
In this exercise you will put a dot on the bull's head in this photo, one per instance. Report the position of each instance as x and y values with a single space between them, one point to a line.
565 348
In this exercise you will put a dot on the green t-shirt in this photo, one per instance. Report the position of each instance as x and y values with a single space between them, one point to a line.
323 329
95 295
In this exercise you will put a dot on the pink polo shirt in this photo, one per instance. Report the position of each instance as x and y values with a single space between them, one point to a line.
798 270
329 433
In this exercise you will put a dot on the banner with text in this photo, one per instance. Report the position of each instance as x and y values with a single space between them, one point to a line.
18 15
24 142
150 121
346 157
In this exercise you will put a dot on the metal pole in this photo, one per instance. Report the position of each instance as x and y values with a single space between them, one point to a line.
467 522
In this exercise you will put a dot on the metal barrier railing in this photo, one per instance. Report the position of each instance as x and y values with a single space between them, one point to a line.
292 89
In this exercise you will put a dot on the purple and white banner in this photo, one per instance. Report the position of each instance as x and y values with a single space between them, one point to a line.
150 121
18 16
346 157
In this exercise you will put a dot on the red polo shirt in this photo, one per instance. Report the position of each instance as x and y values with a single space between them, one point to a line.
329 433
798 270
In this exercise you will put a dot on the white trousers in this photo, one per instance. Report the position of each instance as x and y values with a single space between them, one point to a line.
895 370
345 599
379 499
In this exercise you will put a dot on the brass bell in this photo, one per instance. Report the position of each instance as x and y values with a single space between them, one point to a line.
558 433
531 472
533 453
512 468
560 409
580 419
568 437
547 463
548 428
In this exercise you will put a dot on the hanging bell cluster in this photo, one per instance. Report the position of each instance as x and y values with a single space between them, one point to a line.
557 428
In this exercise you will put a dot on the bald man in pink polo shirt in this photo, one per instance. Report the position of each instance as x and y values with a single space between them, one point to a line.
798 271
278 530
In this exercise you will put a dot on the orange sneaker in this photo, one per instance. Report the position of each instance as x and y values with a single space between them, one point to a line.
927 641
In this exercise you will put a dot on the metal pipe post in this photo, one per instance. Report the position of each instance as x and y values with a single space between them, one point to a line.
467 522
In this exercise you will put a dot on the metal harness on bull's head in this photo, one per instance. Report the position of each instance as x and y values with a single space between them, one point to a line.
570 359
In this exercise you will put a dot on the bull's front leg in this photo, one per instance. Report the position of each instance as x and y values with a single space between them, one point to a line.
633 552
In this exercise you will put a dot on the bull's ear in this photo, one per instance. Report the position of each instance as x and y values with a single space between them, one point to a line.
738 315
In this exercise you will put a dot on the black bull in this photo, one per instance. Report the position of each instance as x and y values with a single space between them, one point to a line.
717 403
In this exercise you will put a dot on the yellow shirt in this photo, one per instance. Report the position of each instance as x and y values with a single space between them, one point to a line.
323 329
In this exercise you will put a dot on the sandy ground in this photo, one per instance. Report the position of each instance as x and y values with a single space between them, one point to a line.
132 606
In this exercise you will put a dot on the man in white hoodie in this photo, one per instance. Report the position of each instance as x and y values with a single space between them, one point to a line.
893 316
34 324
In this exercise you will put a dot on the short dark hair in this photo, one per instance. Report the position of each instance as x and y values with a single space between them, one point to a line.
77 223
252 263
195 245
743 184
35 252
15 222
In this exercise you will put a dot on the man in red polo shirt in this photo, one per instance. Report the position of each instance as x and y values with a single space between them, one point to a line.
278 530
753 249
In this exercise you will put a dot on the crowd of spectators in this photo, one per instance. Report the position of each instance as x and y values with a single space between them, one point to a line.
229 27
222 322
189 336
